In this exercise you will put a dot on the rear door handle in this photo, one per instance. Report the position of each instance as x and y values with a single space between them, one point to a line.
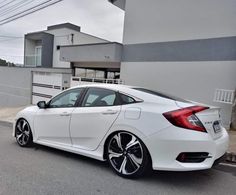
109 112
65 114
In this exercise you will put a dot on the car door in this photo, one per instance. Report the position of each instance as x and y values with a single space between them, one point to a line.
91 121
52 124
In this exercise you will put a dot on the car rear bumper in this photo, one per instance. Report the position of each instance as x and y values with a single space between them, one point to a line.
166 145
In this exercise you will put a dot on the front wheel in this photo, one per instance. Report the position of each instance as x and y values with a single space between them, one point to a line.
127 155
23 133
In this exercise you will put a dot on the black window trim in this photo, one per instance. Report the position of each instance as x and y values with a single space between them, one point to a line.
79 101
136 100
76 102
117 99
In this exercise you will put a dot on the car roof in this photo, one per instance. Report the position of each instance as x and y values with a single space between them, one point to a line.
129 90
107 86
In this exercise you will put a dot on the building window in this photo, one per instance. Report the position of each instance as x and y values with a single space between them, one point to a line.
89 73
58 47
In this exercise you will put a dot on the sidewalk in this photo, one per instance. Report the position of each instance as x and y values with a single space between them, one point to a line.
8 115
231 156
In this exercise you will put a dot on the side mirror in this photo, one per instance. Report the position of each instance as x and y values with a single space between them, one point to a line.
42 104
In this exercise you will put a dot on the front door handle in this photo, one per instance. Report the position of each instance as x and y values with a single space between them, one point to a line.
65 114
109 112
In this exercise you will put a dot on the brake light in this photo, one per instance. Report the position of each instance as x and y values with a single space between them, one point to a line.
186 118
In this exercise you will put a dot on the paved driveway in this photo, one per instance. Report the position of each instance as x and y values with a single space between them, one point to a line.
42 170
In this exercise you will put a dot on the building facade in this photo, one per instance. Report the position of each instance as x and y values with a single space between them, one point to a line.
51 74
42 49
185 47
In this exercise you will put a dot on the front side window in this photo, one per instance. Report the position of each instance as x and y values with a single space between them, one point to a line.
98 97
66 99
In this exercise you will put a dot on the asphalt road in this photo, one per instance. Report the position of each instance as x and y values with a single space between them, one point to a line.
42 170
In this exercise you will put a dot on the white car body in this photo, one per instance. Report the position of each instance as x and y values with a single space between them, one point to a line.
84 130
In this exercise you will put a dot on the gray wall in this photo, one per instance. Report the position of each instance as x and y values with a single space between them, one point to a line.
47 50
15 85
196 81
98 52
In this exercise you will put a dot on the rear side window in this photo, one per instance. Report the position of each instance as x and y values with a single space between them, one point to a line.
125 99
99 97
160 94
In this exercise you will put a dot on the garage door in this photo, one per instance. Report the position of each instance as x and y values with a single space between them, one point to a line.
45 85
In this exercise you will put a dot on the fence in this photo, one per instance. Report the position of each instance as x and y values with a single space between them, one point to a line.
224 96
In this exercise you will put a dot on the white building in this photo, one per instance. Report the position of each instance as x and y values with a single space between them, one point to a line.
42 51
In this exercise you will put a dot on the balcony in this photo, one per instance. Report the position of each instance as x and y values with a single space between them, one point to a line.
86 81
33 60
98 55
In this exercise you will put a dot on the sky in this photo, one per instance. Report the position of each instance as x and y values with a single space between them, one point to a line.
96 17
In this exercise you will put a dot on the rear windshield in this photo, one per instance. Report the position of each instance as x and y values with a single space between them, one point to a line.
160 94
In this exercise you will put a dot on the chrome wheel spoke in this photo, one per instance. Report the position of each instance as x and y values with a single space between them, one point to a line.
114 154
23 139
118 140
24 125
18 137
123 165
132 143
135 160
27 133
19 127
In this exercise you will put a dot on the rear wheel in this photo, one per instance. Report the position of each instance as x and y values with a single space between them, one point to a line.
23 133
127 155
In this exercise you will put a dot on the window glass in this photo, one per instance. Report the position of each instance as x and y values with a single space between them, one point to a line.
110 99
66 99
126 99
96 97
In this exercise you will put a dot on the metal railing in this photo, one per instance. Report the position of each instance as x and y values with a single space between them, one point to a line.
84 80
224 96
33 60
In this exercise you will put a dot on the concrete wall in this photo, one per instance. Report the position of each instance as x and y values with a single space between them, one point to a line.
168 20
16 83
233 124
63 37
15 86
108 52
195 81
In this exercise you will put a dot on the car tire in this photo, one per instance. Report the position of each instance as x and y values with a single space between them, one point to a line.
127 155
23 133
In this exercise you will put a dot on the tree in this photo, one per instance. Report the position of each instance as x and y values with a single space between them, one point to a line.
5 63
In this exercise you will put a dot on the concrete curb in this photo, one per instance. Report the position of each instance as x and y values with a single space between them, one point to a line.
6 123
230 157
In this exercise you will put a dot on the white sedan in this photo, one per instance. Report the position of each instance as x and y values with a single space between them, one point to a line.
133 128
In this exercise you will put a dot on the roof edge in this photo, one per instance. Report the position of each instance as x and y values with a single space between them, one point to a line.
64 25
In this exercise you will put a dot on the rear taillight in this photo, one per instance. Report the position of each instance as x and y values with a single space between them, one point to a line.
186 118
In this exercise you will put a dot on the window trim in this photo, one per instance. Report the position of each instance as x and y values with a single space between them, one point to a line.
136 100
76 102
117 101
